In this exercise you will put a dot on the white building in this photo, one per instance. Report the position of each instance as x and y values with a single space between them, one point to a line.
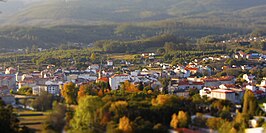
223 94
110 63
233 95
249 78
116 79
51 87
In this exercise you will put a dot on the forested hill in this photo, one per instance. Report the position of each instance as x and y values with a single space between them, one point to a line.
62 12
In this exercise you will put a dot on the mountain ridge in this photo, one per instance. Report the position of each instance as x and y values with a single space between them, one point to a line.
117 11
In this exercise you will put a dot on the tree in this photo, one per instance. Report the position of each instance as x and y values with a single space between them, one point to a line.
86 118
82 91
119 108
25 90
125 125
174 122
161 51
180 120
70 92
161 100
93 57
250 103
55 121
43 102
183 119
214 123
8 120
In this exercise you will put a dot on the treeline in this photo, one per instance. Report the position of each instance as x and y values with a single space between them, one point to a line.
47 37
136 45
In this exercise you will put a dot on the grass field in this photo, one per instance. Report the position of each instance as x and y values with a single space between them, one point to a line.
32 119
122 56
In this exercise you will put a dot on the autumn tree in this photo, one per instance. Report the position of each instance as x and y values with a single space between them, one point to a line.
174 122
161 100
214 123
119 108
125 125
250 103
183 119
93 57
70 92
129 87
180 120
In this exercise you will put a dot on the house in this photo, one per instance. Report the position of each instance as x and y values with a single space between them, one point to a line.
223 94
253 88
193 70
8 81
51 87
242 54
253 56
234 95
249 78
10 70
116 79
177 85
94 67
110 63
227 80
8 99
211 82
102 79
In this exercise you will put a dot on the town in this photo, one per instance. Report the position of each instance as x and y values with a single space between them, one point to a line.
196 78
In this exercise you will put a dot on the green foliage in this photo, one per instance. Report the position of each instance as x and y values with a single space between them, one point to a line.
70 93
25 90
8 120
250 103
86 118
55 121
43 102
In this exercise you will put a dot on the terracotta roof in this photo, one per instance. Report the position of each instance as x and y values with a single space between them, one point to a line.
191 69
230 85
227 78
103 79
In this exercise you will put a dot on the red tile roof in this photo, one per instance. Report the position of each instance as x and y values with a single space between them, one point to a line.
103 79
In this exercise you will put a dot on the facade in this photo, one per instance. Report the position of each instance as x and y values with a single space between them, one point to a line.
53 88
223 94
8 81
115 80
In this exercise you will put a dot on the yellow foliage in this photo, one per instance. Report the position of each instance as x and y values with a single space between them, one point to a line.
125 125
82 91
174 121
149 92
161 100
100 93
130 87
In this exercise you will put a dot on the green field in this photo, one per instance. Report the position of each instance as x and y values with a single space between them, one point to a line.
32 119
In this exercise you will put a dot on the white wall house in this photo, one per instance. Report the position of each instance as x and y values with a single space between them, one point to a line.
116 79
49 86
223 94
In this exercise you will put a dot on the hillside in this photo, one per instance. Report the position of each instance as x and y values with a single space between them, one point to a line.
94 11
